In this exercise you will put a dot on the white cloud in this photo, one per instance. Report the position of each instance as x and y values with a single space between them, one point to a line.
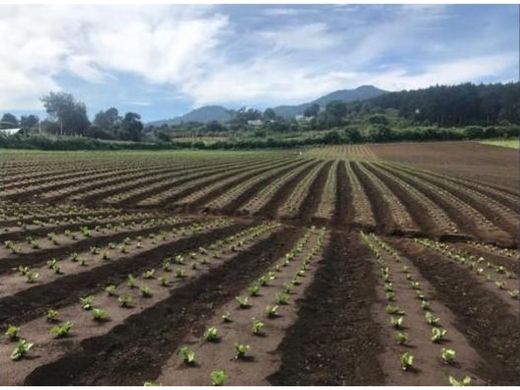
313 36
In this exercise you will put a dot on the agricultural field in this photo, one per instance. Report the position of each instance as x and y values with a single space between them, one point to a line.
505 143
387 264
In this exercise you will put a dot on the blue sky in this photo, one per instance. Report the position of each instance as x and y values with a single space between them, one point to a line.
162 61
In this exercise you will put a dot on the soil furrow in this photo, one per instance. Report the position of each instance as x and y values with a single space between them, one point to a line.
33 302
133 352
312 200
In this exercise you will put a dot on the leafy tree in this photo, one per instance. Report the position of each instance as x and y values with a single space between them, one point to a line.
8 121
131 128
378 119
69 114
352 135
29 121
335 111
108 119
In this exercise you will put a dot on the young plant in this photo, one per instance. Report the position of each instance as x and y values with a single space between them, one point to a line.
111 290
401 338
393 309
125 301
438 334
52 315
131 281
282 299
448 355
271 311
406 361
87 302
257 326
21 349
211 334
150 274
396 322
226 317
241 350
243 302
218 377
187 355
62 330
180 273
163 280
514 294
431 319
145 291
254 291
31 276
466 381
425 305
99 314
12 332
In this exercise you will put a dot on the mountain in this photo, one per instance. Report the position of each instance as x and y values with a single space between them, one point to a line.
203 114
345 95
221 114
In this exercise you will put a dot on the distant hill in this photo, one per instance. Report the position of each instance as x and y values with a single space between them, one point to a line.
203 114
345 95
221 114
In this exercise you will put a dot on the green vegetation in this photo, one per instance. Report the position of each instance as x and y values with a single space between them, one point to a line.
513 143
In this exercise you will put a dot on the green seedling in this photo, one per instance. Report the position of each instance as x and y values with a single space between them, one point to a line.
211 334
180 273
396 322
21 349
393 309
257 326
125 301
145 291
187 355
226 317
62 330
87 302
254 291
448 355
406 360
52 315
271 311
241 350
12 332
401 338
131 281
111 290
218 377
431 319
150 274
243 302
163 280
438 334
282 299
466 381
99 314
31 276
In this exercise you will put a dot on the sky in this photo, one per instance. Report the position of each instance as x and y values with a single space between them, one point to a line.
164 60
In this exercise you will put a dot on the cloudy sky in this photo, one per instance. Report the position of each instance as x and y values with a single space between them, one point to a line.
162 61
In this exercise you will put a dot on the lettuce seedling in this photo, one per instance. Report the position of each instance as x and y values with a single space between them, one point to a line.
145 291
21 349
51 263
271 311
149 274
218 377
466 381
241 350
62 330
164 280
406 361
431 319
99 314
31 276
180 273
12 332
393 309
243 302
226 317
125 301
401 338
211 334
254 291
111 290
132 282
187 355
52 315
166 266
282 298
514 294
438 334
86 302
448 355
396 322
151 384
257 326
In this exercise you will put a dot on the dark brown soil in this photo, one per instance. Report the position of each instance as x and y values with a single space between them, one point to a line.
33 302
133 352
334 341
490 328
270 209
382 214
344 212
312 200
